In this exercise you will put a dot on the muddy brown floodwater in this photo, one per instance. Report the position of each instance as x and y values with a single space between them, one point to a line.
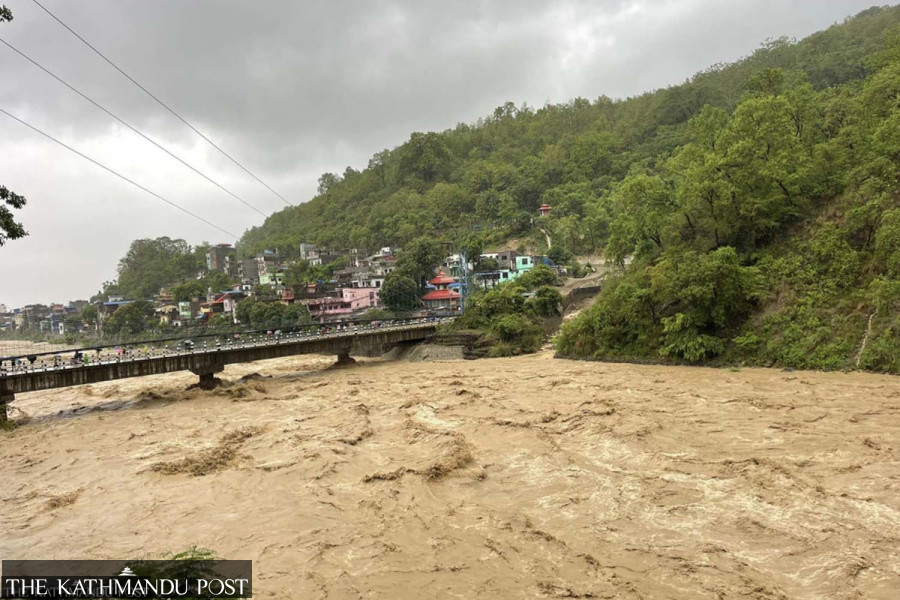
510 478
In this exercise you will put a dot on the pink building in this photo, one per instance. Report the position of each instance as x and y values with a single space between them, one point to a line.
351 300
328 307
361 298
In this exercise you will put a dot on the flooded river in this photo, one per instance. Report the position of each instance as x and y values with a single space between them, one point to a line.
526 477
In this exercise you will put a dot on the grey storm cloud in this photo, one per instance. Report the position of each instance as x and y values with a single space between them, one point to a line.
293 89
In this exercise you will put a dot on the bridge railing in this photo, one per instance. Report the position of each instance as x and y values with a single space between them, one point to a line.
73 358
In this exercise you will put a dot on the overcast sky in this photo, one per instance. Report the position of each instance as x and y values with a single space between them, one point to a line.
293 89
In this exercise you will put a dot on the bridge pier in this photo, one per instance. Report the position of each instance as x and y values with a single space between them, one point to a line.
5 399
344 360
208 379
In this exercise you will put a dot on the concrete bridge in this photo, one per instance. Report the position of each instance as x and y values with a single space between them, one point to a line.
206 362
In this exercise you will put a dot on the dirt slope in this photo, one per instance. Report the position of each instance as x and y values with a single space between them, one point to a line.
510 478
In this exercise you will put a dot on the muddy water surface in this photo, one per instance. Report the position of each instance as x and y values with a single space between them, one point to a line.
510 478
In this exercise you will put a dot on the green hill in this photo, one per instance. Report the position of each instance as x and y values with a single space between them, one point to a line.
758 200
499 170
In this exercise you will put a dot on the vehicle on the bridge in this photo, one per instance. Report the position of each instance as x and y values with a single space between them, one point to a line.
184 345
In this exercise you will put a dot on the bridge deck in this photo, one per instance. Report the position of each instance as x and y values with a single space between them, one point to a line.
204 362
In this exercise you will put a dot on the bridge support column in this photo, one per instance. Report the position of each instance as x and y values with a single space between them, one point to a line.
208 379
344 359
5 399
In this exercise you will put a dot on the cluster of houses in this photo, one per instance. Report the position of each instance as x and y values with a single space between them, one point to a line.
352 290
50 318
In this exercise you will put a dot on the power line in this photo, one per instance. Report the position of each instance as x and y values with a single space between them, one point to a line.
163 104
131 127
117 174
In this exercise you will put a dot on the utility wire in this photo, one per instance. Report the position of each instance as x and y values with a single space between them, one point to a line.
117 174
163 104
131 127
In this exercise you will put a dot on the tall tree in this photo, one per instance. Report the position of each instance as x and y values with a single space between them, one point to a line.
10 229
399 292
420 258
153 264
131 318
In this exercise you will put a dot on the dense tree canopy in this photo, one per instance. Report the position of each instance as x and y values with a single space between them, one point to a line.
420 258
151 265
495 173
400 293
10 229
512 314
131 319
786 206
271 315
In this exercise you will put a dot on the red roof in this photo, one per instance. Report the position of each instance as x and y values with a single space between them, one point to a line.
442 279
545 207
223 297
441 295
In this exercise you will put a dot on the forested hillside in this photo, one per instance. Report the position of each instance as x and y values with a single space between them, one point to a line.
496 172
772 235
759 201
